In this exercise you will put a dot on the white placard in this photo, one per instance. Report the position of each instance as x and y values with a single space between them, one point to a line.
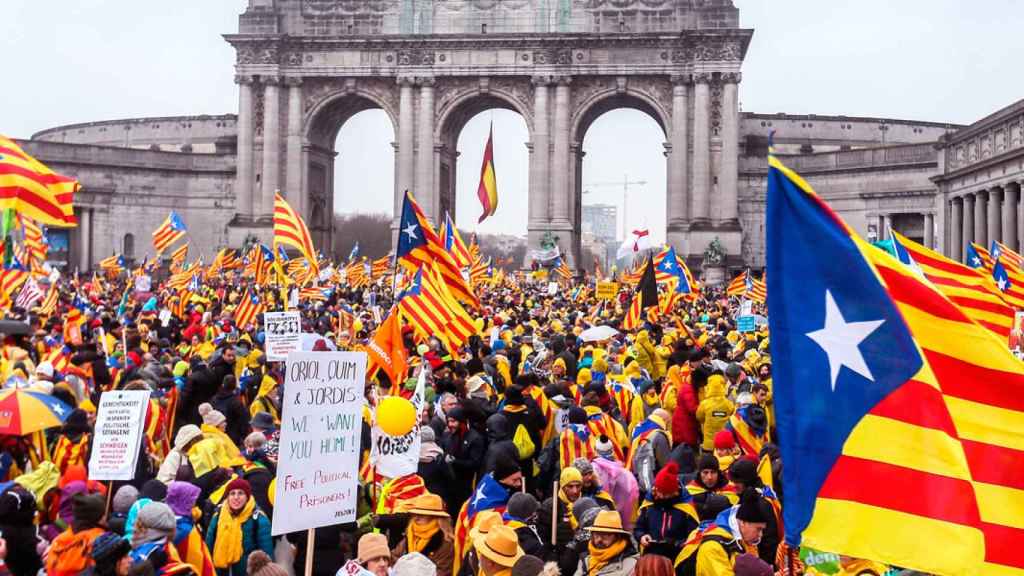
552 288
396 456
165 317
318 458
281 331
119 425
143 283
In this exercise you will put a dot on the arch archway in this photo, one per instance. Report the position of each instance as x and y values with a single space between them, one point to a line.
361 126
618 148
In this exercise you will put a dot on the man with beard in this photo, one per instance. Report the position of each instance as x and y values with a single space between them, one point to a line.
464 450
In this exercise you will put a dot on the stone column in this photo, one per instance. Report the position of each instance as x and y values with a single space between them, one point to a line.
1009 214
728 171
425 192
539 208
700 191
956 228
884 224
929 230
560 163
980 218
406 144
995 208
243 172
677 209
271 145
85 239
294 165
968 227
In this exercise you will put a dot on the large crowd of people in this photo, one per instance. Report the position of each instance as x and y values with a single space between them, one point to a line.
649 452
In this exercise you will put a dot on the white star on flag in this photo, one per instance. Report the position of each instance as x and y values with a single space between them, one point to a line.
841 340
410 230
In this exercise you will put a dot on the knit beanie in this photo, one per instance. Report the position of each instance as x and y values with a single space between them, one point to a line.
745 471
708 462
260 564
583 465
239 484
750 508
414 564
750 565
569 475
87 509
108 548
522 505
527 566
210 416
124 498
181 497
157 516
667 480
155 490
505 467
724 440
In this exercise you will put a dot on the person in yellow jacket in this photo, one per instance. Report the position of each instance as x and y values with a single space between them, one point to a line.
714 411
644 403
267 399
645 354
736 531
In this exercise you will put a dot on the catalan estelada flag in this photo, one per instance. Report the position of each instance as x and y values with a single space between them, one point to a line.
249 307
290 230
31 189
487 191
35 243
172 230
738 285
419 245
901 421
453 243
645 296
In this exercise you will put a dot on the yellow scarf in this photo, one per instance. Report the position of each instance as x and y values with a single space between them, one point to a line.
568 509
600 557
417 535
227 547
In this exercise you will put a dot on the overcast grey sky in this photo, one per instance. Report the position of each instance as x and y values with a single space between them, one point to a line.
941 60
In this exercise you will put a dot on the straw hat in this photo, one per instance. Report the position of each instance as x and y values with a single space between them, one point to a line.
501 546
608 521
428 505
485 520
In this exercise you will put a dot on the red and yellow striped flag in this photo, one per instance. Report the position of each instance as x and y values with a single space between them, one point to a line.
249 307
178 257
487 191
31 189
34 242
290 230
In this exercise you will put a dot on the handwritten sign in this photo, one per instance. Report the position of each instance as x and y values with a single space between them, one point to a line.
396 456
119 424
606 290
318 466
745 324
282 334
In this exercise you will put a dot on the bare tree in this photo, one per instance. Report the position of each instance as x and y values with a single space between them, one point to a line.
372 231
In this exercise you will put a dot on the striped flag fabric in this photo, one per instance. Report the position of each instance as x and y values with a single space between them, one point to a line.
487 190
29 295
460 325
290 230
978 257
479 272
312 294
31 189
49 304
453 243
35 243
380 267
645 297
976 294
424 308
1000 251
178 257
738 285
170 231
249 307
10 280
900 421
113 264
562 269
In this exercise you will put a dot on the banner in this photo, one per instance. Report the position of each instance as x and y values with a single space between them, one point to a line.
395 456
606 290
318 458
545 255
118 432
281 330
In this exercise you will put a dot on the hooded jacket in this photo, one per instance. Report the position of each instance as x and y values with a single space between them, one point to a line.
714 411
499 433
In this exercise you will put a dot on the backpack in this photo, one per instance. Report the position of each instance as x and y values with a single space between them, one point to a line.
645 466
686 561
524 444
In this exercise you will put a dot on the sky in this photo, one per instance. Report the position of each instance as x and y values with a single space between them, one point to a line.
938 60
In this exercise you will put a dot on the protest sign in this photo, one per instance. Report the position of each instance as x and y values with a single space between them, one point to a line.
395 456
281 330
318 459
115 444
745 324
606 290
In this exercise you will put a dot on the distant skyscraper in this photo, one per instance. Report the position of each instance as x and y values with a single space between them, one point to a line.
599 220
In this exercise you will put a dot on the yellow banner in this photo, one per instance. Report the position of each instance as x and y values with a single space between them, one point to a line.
606 290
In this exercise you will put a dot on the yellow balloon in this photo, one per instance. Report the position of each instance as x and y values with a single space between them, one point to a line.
395 415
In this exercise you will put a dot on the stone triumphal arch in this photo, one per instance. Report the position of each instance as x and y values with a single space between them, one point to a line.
305 66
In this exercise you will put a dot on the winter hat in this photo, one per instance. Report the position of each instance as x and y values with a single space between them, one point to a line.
643 385
259 564
750 508
667 480
262 421
186 434
414 564
108 548
569 475
457 413
87 509
210 416
604 448
154 490
583 505
181 497
427 435
732 371
522 505
714 505
724 440
239 484
583 465
372 546
577 415
124 498
505 467
750 565
528 566
708 462
157 516
745 471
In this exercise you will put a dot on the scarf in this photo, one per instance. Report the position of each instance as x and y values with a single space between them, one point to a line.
227 547
418 535
429 451
568 509
600 557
